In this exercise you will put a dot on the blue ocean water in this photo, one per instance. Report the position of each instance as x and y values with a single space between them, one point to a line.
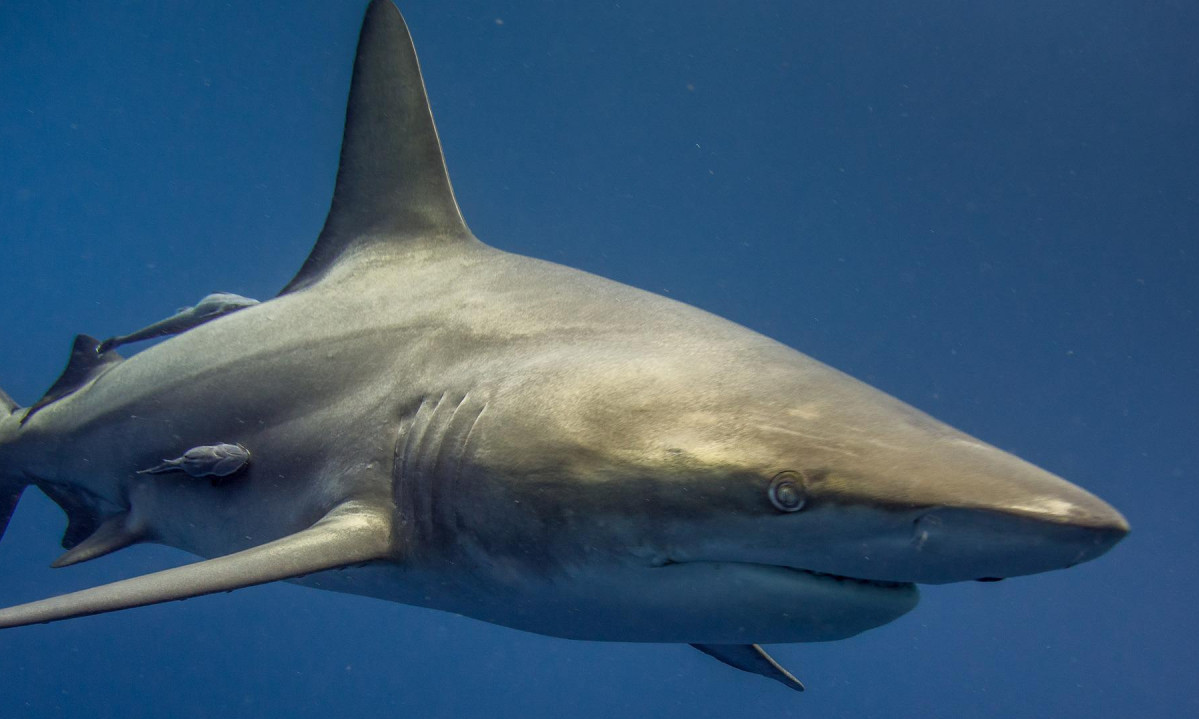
990 211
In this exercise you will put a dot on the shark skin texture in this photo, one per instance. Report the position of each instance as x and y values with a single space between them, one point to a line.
426 419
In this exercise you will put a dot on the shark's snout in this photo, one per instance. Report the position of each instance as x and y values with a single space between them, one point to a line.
1016 519
951 544
951 509
878 490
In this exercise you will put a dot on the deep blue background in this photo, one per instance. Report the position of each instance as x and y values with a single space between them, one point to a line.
988 211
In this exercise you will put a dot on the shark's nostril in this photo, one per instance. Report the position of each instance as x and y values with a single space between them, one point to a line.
923 528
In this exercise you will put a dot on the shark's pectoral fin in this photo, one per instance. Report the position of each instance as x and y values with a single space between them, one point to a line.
751 658
353 533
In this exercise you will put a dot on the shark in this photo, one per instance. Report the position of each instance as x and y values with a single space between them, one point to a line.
423 418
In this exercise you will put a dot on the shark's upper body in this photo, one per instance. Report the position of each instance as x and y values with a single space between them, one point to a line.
437 422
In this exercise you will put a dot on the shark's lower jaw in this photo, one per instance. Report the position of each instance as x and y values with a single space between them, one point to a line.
700 601
693 602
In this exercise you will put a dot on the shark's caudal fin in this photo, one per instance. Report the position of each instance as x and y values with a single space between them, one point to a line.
87 363
392 185
11 487
10 494
351 534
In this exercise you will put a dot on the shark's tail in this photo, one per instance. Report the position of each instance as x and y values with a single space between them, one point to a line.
12 484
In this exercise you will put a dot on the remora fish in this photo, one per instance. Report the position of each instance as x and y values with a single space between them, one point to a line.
436 422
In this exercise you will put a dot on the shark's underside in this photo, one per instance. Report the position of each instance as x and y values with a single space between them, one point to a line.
426 419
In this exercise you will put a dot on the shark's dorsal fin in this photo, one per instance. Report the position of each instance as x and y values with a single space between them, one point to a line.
353 533
86 364
392 185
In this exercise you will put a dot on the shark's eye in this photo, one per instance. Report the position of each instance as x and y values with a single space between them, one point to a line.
787 492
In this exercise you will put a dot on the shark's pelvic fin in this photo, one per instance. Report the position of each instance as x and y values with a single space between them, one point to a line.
751 658
85 512
392 185
86 364
353 533
116 532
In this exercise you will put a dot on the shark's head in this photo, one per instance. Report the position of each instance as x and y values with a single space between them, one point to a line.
733 476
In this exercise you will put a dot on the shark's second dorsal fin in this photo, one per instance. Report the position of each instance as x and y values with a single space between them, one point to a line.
351 534
86 364
7 405
392 185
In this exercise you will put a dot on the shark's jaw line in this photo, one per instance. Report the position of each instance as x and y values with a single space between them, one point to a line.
883 584
310 438
698 602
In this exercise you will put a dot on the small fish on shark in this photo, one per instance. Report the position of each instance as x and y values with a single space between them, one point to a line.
218 461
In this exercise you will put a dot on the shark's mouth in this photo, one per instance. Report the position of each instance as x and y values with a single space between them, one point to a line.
807 574
881 583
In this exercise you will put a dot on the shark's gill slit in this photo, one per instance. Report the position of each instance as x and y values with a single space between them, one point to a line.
412 492
458 419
